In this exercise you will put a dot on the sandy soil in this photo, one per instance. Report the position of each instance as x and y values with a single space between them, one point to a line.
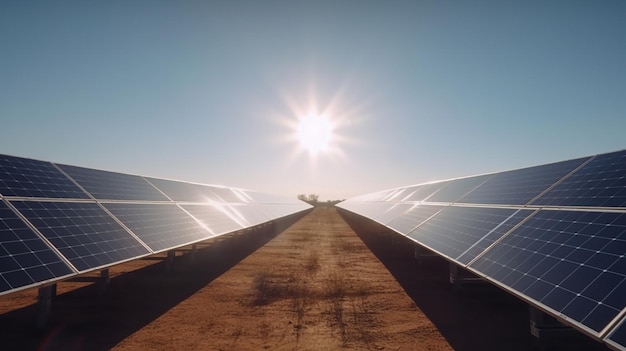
316 286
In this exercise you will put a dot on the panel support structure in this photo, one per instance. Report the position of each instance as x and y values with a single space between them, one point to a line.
169 260
546 330
44 304
103 282
460 277
420 254
394 242
192 254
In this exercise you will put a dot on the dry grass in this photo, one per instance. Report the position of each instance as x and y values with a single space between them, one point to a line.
348 308
269 288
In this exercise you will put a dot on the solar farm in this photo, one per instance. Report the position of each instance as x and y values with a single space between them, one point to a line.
549 240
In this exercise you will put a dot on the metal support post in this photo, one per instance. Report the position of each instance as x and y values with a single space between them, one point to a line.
44 305
454 275
460 277
194 252
547 331
418 254
169 260
103 282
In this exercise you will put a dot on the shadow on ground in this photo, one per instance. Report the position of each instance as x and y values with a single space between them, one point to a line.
474 317
82 321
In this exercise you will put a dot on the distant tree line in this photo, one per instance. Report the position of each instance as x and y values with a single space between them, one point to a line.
313 199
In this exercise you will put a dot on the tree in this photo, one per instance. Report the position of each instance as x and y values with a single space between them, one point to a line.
331 203
311 198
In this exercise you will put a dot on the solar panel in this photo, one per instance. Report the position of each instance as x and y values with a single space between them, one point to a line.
461 233
353 206
217 220
375 209
398 194
250 215
84 233
270 211
224 194
413 218
520 186
455 189
280 210
600 183
30 178
160 226
570 261
183 191
25 259
391 212
377 196
618 336
421 192
113 186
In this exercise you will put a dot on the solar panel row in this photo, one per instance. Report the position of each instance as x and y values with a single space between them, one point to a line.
554 235
58 220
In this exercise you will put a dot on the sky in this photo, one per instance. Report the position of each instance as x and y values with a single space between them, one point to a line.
212 91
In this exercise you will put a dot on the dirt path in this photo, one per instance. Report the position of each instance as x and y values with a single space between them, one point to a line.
314 287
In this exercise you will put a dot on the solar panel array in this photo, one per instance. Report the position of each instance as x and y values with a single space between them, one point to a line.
553 235
58 221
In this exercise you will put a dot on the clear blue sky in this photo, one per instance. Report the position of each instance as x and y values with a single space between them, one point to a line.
418 90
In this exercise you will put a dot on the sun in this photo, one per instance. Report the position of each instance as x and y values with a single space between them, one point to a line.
315 133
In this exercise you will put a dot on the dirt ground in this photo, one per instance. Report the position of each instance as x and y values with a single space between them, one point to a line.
315 286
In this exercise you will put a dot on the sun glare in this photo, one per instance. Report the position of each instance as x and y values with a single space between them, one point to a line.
315 133
317 127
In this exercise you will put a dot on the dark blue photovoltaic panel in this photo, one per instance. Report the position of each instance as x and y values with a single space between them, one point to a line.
413 218
373 209
397 194
84 233
377 196
391 212
224 194
466 231
31 178
600 183
182 191
160 226
361 208
421 192
113 186
618 335
517 217
250 214
455 189
217 220
520 186
25 258
570 261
